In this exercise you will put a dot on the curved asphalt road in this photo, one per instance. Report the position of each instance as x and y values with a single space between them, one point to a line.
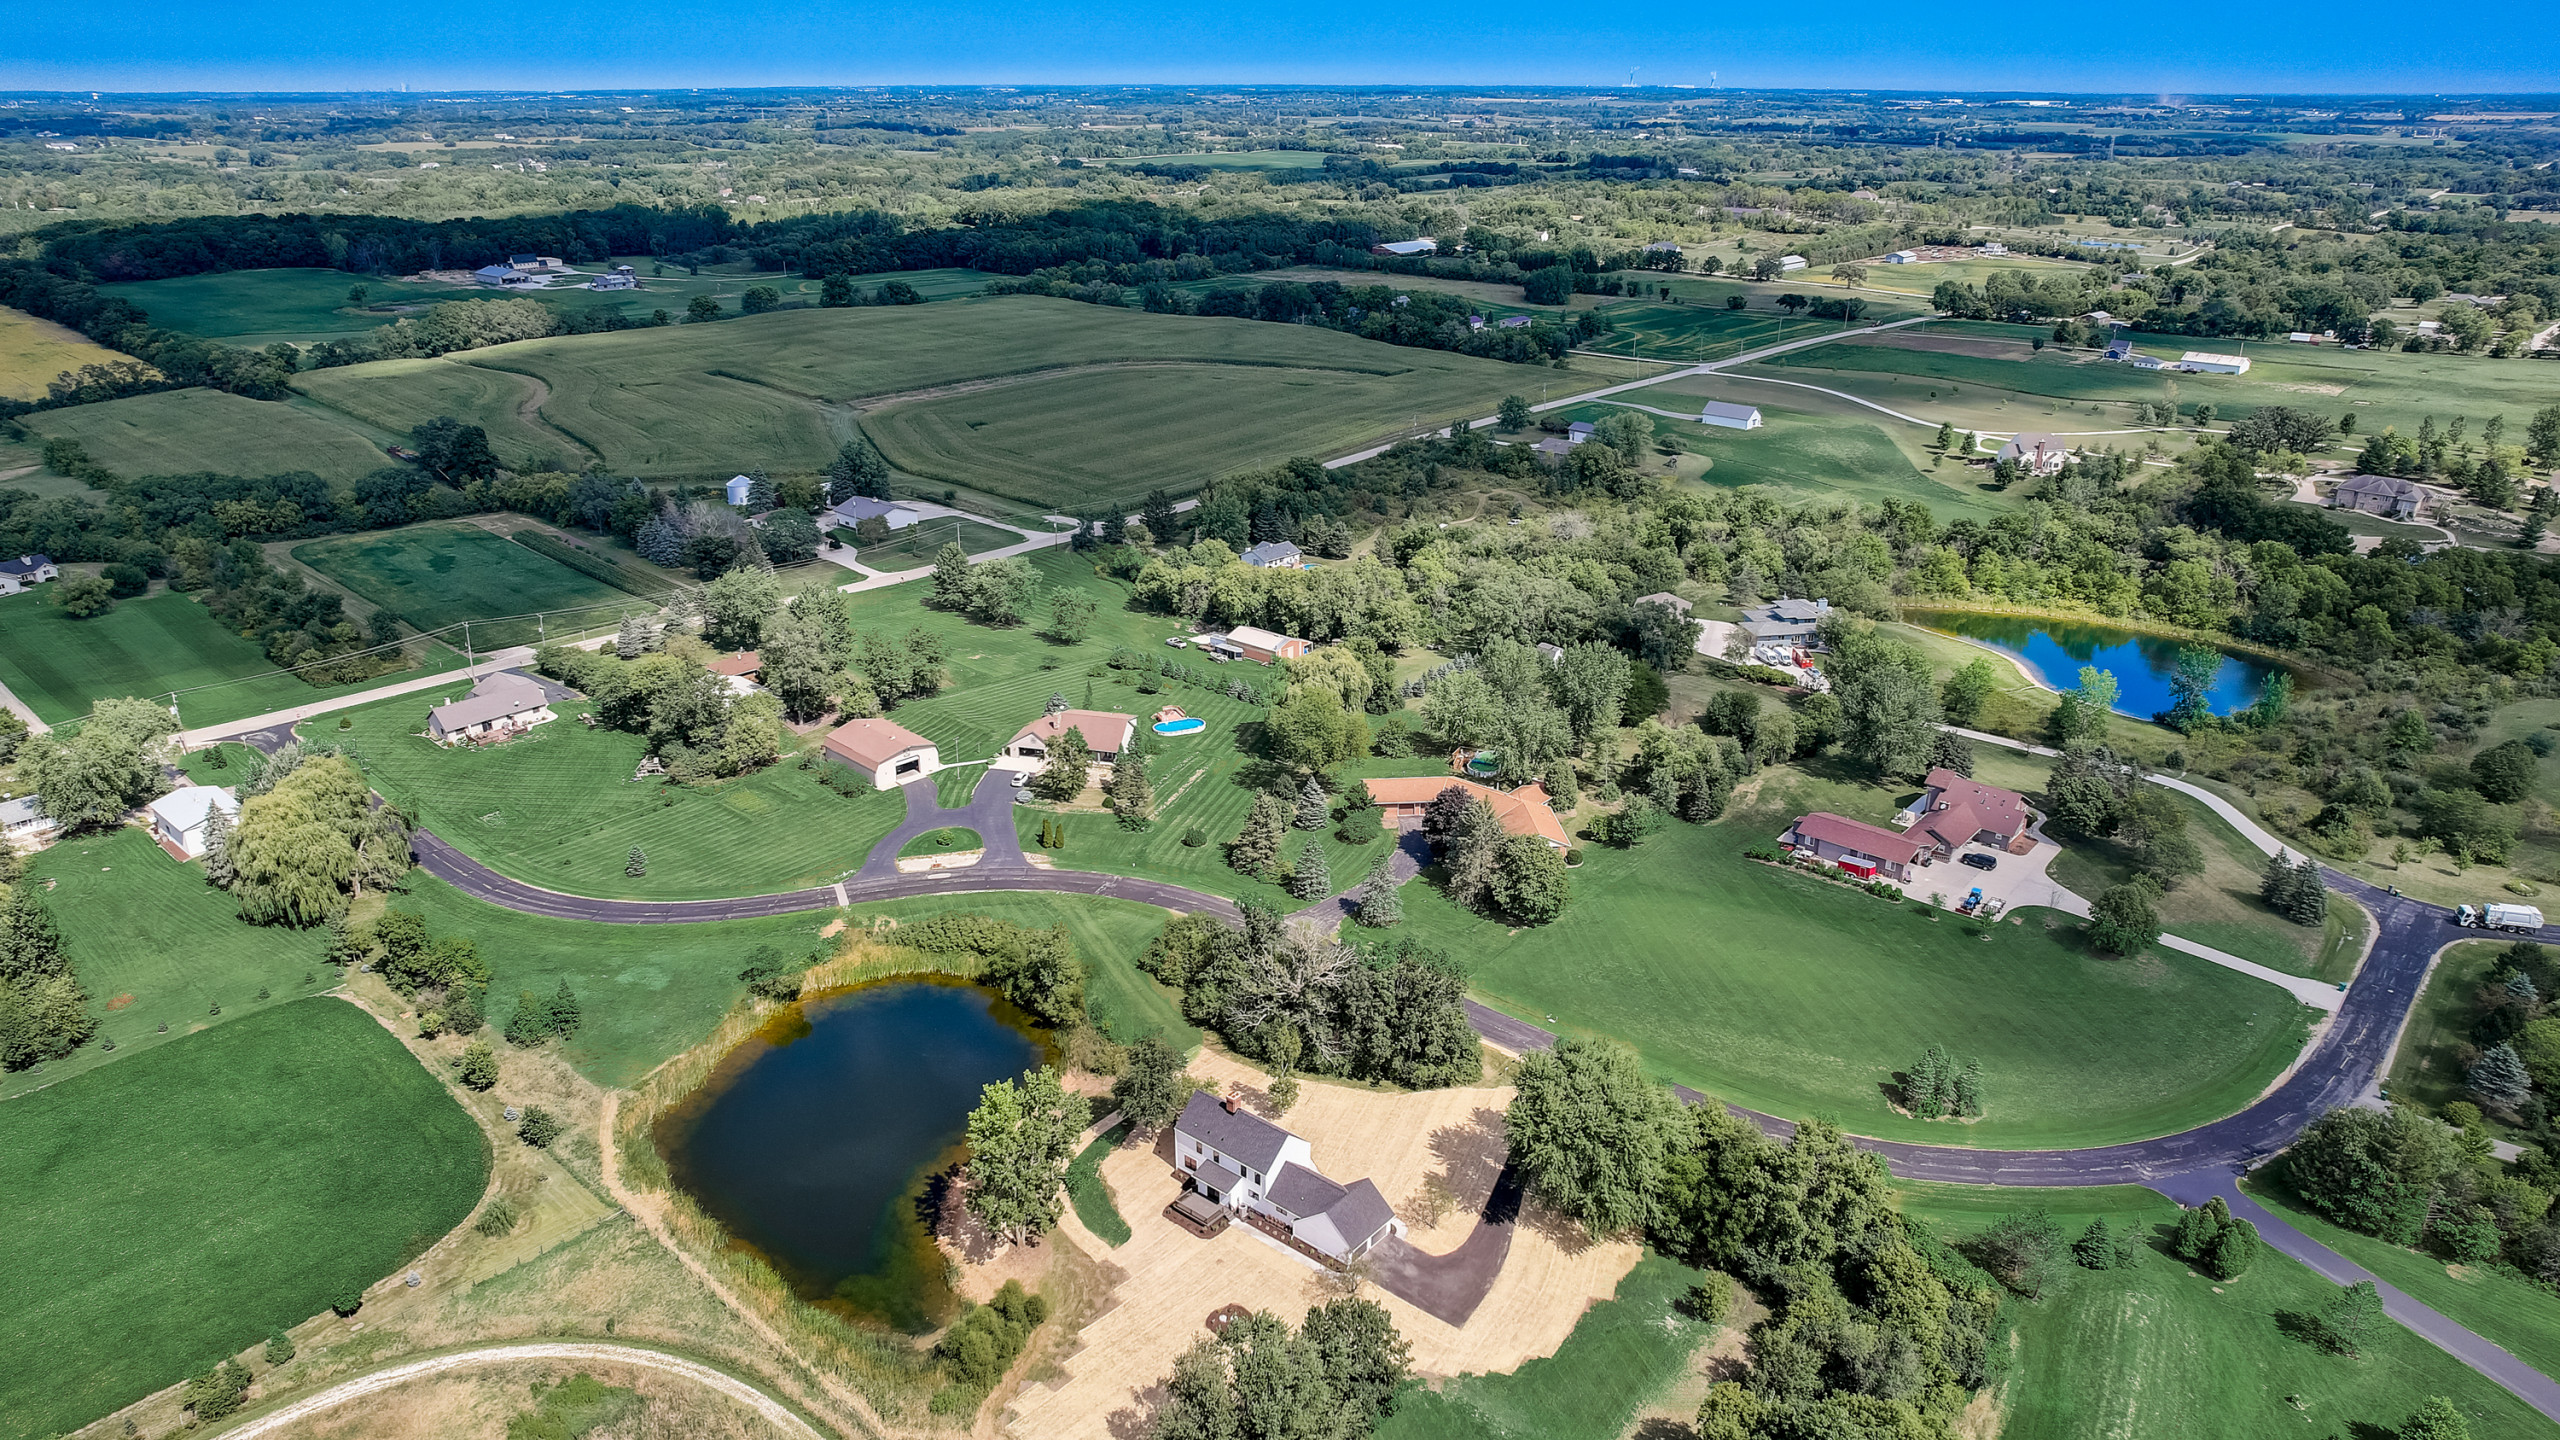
2342 1067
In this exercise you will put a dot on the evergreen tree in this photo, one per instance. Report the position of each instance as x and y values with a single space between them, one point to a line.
348 943
219 871
1311 880
637 865
2351 1318
2307 902
2438 1419
2519 985
1968 1096
2232 1251
2276 883
1380 905
2096 1247
1131 798
10 866
631 638
1256 851
1563 792
1314 808
2198 1229
1924 1090
2499 1081
1474 855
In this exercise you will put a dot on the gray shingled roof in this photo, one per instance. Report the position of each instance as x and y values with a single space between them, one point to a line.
496 697
1214 1176
1360 1211
1301 1191
1247 1137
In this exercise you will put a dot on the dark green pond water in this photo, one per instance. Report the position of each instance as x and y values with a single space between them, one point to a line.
817 1141
2056 649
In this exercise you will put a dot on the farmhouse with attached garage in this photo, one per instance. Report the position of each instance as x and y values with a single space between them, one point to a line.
890 753
26 572
2037 452
1274 555
1106 734
863 507
182 820
501 704
1785 621
1863 850
1267 1175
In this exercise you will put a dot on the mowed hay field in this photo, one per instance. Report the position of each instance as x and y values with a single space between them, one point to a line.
155 945
443 573
1160 400
181 432
33 351
174 1209
2157 1351
148 646
400 395
1791 995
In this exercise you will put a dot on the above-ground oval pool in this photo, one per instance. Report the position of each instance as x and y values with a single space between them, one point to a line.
1484 763
1188 725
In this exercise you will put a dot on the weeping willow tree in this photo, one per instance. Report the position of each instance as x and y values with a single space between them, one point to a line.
302 848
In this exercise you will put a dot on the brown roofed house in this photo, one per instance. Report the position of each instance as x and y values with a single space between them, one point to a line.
888 752
1106 733
1957 810
1524 811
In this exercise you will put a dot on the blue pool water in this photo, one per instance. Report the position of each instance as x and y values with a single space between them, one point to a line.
2056 649
1191 725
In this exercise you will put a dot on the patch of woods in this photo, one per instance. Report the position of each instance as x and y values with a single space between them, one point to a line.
43 1007
2434 1183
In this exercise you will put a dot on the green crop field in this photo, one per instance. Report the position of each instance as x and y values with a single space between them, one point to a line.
558 808
180 432
33 351
1216 395
156 946
1695 332
398 395
1798 997
2158 1352
166 1212
1623 1354
446 572
2502 1305
149 647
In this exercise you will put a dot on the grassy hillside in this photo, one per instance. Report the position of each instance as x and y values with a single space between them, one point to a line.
399 395
179 432
441 574
33 351
166 1212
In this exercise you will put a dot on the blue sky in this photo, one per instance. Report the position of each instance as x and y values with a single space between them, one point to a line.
2247 48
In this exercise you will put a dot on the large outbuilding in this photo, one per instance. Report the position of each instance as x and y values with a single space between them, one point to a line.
1252 642
888 752
1730 415
2201 362
1858 848
1245 1163
182 820
854 511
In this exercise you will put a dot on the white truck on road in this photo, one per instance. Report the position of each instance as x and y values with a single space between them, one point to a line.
2523 919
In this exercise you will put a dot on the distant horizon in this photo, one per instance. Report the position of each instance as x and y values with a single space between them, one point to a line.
2545 99
305 47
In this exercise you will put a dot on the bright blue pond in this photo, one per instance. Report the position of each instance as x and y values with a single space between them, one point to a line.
816 1141
2056 649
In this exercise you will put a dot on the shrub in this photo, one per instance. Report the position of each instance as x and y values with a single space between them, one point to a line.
499 1218
976 1351
771 976
477 1065
218 1392
349 1300
538 1128
1194 837
279 1348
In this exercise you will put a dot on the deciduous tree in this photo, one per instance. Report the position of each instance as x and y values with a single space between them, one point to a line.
1589 1133
1021 1138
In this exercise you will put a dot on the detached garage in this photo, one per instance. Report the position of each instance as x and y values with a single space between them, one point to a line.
890 753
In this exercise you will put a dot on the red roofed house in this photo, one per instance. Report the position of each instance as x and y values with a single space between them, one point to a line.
1106 733
1522 812
1957 810
1863 850
890 753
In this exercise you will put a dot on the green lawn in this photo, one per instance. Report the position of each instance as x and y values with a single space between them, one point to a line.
2427 1069
155 945
2501 1305
647 991
2153 1353
558 808
1091 1194
919 543
167 1212
2221 907
1790 995
446 572
1110 935
1622 1356
180 432
149 647
1812 446
399 395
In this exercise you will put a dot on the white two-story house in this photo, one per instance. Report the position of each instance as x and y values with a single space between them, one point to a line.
1252 1166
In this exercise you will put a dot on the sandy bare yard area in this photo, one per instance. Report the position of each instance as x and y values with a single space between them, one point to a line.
1170 1281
